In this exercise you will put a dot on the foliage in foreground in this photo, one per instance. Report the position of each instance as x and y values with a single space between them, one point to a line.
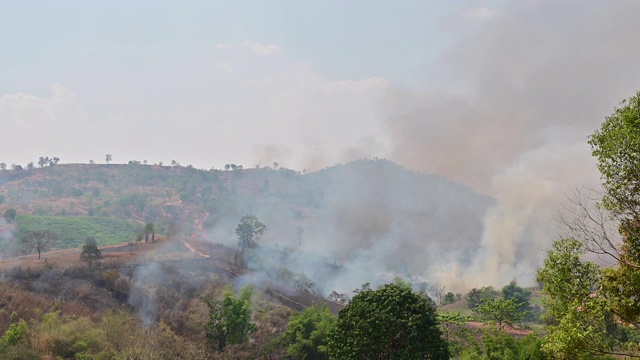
306 334
389 323
229 321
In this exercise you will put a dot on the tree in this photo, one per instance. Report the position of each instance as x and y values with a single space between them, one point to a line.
149 229
229 320
579 322
392 322
107 158
90 252
610 228
43 161
306 334
227 167
513 291
449 298
275 165
249 232
10 215
500 312
30 165
456 333
39 240
91 162
3 166
16 167
476 296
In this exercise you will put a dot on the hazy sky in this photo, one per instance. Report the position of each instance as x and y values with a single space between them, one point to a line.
212 82
466 89
497 95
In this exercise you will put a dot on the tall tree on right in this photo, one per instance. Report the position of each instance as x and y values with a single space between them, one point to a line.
593 310
617 148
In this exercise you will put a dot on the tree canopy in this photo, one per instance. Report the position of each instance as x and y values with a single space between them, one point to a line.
229 319
392 322
249 231
592 310
10 215
306 334
90 251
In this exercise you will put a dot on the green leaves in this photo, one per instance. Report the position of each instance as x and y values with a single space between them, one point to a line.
90 252
249 231
578 317
389 323
229 320
306 334
617 147
501 312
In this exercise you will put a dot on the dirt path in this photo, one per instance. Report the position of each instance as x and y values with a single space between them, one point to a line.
206 216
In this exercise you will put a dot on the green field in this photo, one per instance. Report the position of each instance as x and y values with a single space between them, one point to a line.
72 231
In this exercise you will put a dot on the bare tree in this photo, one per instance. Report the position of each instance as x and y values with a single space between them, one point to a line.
39 240
584 219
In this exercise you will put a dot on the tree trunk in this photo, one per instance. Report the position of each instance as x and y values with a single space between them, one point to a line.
38 254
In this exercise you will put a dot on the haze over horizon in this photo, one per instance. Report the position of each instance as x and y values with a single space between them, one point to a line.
497 95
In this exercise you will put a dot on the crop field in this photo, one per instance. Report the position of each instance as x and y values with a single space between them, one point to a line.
72 231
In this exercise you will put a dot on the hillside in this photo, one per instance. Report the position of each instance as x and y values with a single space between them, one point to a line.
370 218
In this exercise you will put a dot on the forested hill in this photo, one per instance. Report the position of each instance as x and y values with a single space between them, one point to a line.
361 205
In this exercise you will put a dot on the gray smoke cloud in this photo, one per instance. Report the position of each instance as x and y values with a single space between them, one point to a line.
526 88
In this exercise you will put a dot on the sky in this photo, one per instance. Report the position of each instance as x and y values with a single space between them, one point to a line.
212 82
500 96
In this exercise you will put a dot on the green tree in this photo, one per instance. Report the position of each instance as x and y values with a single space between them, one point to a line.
229 320
90 251
616 146
500 312
39 240
513 291
587 319
579 322
306 334
107 158
449 298
43 161
456 332
249 232
149 229
389 323
10 215
476 296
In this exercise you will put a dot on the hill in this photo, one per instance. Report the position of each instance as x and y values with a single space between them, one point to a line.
370 218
